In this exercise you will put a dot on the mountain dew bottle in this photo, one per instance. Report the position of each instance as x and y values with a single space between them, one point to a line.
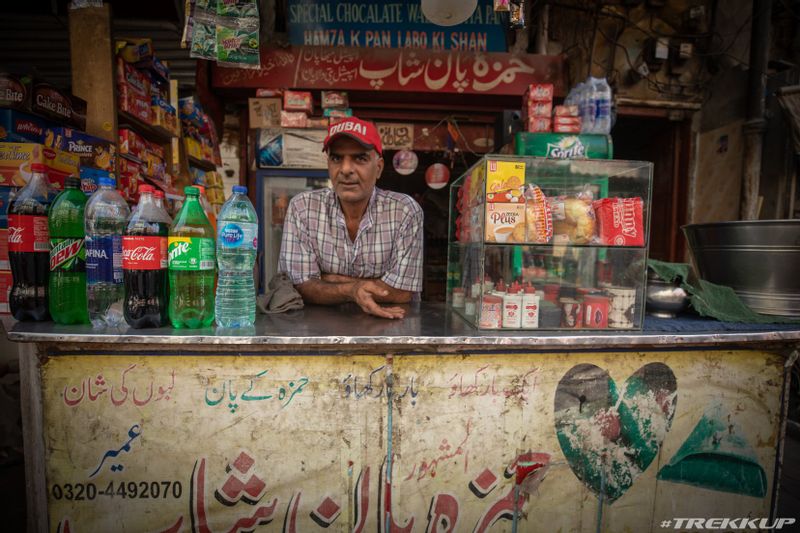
67 281
192 264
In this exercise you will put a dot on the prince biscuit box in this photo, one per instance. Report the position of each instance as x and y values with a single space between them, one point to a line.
16 160
92 151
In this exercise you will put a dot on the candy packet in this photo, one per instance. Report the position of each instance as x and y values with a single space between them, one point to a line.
238 43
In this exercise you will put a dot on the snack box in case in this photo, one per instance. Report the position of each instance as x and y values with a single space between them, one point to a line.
92 151
19 127
16 159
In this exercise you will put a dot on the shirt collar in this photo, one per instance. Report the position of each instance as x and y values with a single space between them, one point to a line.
368 219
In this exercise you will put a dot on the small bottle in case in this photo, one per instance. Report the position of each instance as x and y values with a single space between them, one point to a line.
530 308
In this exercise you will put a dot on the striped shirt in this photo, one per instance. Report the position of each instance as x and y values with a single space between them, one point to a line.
388 244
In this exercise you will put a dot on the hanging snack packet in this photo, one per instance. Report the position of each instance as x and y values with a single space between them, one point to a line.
237 43
204 30
237 9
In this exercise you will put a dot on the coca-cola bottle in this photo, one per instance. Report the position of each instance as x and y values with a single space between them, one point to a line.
29 247
144 263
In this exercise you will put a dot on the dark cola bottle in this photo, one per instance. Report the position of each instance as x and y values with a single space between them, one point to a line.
144 264
29 247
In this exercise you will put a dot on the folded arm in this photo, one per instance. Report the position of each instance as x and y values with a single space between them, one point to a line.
367 293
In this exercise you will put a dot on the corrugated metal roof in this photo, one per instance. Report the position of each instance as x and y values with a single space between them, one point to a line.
40 44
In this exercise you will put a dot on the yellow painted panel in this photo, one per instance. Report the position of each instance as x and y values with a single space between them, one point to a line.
295 443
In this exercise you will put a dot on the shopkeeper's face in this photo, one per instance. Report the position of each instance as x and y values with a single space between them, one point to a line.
353 170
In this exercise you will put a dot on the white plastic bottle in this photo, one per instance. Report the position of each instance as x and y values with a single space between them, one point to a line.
530 308
512 307
237 242
105 219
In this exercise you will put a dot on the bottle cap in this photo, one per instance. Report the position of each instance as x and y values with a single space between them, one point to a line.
241 189
530 289
145 189
71 182
158 193
38 167
200 189
108 182
500 286
191 190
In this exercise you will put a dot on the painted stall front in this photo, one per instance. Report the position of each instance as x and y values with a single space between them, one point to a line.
422 424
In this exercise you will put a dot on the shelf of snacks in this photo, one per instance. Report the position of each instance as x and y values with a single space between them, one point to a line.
148 123
549 244
199 138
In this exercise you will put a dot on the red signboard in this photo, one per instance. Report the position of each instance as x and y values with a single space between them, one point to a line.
393 69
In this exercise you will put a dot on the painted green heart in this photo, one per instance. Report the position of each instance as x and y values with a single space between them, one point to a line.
609 437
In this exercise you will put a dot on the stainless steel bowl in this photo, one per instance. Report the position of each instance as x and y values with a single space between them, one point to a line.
664 299
759 260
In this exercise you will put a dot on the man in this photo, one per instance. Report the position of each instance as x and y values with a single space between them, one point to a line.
354 242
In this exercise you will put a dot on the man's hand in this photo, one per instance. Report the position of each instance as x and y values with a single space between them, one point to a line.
365 293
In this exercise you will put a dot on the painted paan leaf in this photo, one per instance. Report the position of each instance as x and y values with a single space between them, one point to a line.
716 456
609 437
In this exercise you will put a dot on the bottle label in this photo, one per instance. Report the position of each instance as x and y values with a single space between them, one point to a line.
239 235
67 255
191 253
104 259
28 233
144 252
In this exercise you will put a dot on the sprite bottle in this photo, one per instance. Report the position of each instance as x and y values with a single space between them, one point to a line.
192 264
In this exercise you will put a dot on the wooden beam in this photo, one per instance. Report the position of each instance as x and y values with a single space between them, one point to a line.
93 69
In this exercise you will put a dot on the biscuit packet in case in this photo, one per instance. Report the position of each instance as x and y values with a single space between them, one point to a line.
538 217
573 218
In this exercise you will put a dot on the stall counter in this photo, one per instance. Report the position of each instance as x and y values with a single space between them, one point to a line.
328 418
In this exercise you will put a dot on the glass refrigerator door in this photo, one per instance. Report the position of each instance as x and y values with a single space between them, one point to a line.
277 191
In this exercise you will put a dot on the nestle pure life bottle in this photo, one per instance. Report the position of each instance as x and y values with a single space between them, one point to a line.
237 242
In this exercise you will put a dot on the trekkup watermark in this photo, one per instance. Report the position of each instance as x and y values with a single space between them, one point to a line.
710 524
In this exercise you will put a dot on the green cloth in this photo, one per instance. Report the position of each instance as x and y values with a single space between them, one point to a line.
712 300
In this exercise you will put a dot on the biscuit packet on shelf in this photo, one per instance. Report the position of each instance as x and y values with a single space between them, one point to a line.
573 218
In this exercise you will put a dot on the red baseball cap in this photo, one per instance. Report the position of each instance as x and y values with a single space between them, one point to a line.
361 131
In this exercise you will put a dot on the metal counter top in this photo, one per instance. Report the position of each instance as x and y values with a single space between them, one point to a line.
429 325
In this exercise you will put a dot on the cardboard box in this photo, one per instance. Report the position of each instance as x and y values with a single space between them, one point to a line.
538 124
16 159
19 127
334 100
5 291
538 109
131 143
338 113
164 115
505 222
92 151
5 263
505 181
298 101
299 148
264 112
566 111
57 104
318 123
15 91
290 119
539 92
269 93
133 50
130 175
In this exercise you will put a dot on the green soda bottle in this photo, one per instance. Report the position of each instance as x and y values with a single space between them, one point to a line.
192 264
67 283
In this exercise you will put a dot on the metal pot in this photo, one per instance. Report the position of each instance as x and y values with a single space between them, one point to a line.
664 299
758 259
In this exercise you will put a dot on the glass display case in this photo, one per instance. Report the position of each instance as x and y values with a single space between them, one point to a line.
549 244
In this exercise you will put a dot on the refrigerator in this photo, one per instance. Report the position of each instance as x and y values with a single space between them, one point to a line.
274 189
